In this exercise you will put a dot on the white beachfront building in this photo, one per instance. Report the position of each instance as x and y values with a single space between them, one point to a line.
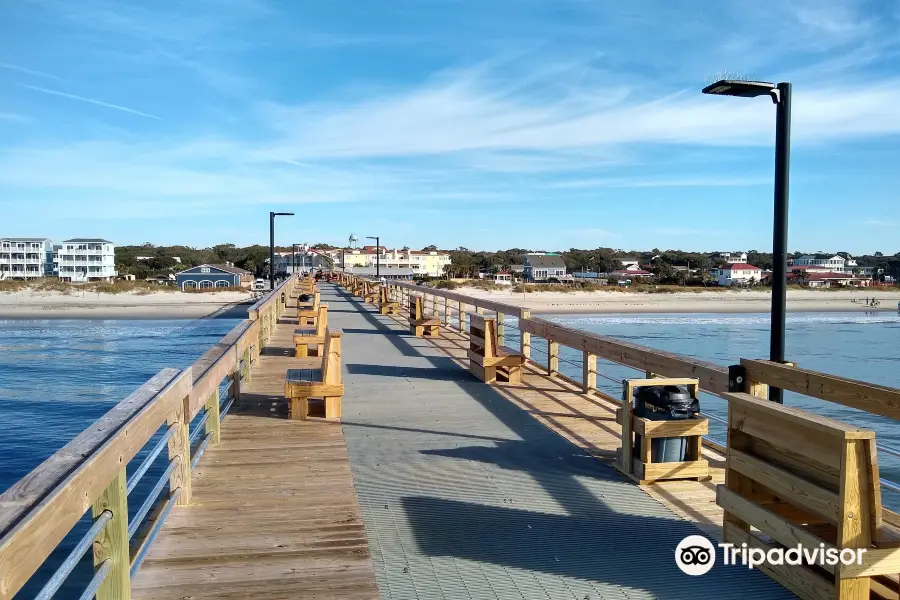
834 263
26 258
738 274
86 259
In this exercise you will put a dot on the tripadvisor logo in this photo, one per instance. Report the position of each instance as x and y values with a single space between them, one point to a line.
696 555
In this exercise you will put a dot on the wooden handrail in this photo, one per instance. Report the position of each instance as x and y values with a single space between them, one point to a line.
39 510
268 301
499 307
877 399
713 378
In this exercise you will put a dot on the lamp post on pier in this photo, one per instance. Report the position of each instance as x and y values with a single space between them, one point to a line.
377 254
781 96
272 216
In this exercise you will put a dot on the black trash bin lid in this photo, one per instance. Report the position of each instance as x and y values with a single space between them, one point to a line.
664 396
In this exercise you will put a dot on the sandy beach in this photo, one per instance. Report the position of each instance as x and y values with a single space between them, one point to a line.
30 304
724 301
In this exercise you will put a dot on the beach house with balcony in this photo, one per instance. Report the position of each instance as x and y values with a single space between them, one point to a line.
739 274
86 259
26 258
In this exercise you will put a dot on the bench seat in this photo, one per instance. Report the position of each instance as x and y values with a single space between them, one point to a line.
487 359
300 385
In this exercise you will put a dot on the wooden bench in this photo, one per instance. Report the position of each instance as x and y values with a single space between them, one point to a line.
307 312
795 477
304 338
301 385
387 306
419 324
370 292
487 358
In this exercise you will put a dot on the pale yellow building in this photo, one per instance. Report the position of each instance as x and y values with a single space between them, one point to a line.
420 262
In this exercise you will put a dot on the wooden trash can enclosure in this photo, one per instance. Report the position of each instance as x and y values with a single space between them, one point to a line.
635 455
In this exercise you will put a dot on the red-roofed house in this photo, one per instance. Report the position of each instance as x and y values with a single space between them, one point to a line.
738 274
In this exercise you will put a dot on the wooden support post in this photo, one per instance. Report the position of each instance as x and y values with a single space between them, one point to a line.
500 340
760 390
446 312
855 518
212 421
236 385
112 542
552 358
525 339
247 364
462 318
180 448
589 374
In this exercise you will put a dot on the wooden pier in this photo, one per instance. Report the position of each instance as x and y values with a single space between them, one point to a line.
434 484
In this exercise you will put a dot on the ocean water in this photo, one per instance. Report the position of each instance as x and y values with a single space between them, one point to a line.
57 377
854 345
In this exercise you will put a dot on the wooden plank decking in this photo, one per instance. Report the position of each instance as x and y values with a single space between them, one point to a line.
274 513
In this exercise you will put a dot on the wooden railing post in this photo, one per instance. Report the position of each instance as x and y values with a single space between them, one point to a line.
552 358
525 339
589 376
112 542
447 310
236 384
462 317
213 426
500 339
246 371
180 449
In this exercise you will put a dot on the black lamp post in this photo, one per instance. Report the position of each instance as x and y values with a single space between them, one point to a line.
781 96
377 254
272 216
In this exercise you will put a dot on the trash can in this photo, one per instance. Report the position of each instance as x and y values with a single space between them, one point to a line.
665 403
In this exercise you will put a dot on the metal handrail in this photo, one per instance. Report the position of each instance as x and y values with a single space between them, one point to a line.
151 498
200 450
154 531
199 426
137 475
63 571
97 581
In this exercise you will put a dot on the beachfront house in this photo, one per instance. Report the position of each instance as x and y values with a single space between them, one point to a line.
213 276
25 258
540 266
834 263
738 274
86 259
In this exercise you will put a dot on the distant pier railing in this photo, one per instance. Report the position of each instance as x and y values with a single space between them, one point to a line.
178 411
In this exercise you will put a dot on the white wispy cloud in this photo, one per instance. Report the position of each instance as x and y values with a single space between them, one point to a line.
27 71
880 223
638 182
470 111
90 101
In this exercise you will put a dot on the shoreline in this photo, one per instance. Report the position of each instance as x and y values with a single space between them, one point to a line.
179 305
29 305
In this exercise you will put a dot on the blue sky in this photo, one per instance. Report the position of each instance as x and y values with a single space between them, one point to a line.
487 124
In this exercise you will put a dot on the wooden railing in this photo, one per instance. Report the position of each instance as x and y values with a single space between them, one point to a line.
271 307
178 411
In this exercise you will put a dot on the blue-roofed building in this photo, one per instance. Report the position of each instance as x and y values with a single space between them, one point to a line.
213 276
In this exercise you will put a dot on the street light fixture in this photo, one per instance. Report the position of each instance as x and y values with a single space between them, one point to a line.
272 216
377 254
781 96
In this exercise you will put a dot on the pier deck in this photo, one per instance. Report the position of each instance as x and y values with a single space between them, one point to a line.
458 490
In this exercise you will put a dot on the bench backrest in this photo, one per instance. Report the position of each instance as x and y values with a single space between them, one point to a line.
383 293
331 363
322 320
483 335
316 300
415 308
